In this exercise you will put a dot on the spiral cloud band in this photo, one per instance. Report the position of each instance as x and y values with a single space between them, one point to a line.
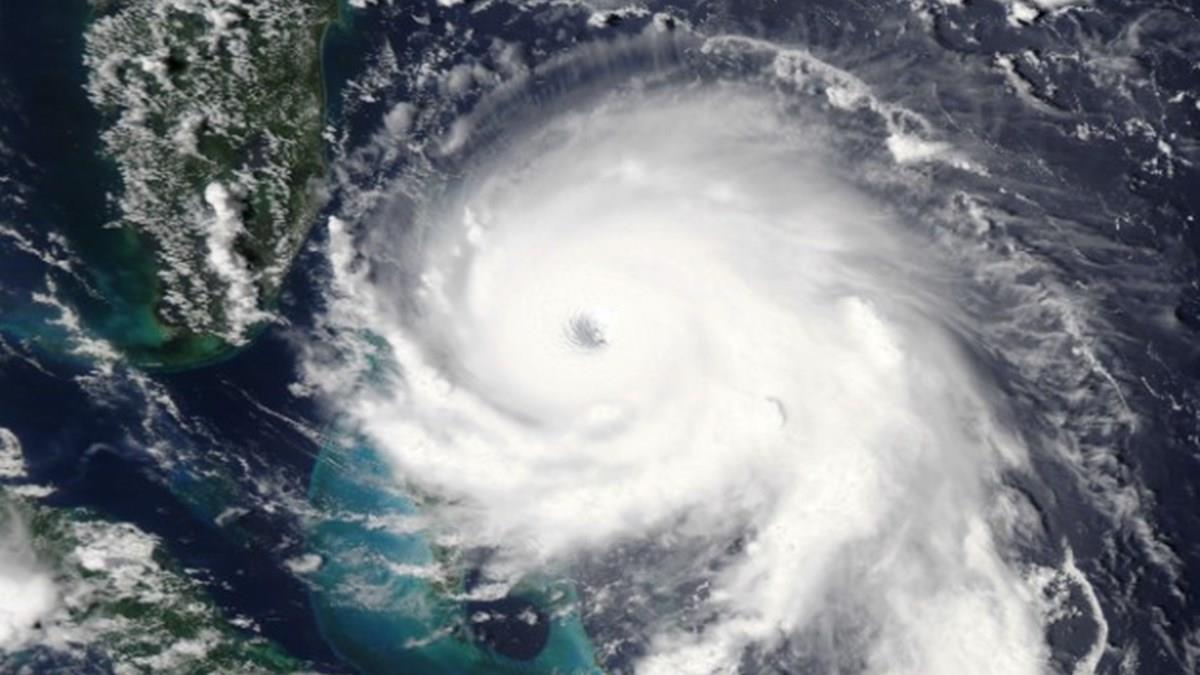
668 322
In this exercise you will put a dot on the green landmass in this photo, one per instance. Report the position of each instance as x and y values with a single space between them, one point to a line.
121 597
195 95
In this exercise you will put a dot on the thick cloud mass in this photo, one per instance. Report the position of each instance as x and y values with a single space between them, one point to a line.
667 320
27 594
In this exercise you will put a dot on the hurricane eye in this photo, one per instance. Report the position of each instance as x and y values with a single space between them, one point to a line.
584 332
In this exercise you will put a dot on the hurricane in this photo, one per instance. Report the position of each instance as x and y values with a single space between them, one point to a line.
745 373
582 337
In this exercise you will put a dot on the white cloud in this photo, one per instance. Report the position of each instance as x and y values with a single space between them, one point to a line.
241 293
399 119
27 594
12 458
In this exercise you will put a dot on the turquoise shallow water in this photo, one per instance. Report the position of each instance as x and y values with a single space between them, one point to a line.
382 617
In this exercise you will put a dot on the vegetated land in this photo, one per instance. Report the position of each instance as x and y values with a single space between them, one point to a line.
213 114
